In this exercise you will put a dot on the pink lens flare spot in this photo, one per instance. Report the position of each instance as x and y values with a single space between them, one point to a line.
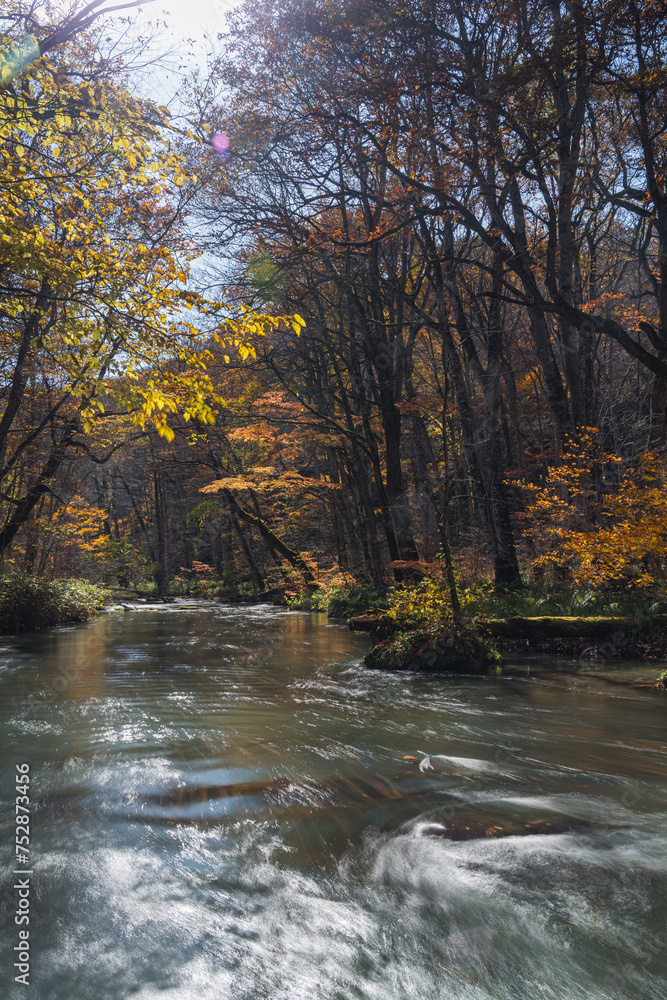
220 142
467 954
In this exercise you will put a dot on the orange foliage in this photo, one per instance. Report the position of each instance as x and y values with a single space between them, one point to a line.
598 525
77 523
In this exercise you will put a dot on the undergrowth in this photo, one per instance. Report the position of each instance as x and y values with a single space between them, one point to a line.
340 601
416 605
28 602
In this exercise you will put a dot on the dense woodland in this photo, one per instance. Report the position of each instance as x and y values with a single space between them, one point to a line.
413 319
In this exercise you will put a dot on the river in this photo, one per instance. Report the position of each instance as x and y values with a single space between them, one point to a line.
226 805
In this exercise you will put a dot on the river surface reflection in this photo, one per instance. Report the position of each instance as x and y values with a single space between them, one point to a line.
227 804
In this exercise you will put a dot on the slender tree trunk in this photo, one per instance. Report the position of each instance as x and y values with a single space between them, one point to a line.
247 552
228 562
292 557
397 504
39 488
160 571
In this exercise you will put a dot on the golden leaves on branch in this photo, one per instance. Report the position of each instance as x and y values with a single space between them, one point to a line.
598 524
90 189
270 481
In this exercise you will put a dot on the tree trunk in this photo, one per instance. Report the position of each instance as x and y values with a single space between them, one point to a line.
39 489
293 558
247 551
160 571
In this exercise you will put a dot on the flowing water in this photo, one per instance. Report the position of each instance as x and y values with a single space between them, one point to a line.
226 804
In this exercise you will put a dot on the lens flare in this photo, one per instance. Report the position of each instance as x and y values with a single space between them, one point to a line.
15 58
467 954
221 144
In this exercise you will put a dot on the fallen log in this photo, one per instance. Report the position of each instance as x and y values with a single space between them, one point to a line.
602 628
599 628
364 623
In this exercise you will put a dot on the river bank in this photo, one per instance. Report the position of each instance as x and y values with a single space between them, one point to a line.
404 631
227 803
481 645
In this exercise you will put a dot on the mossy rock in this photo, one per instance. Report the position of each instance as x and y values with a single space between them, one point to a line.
450 648
376 623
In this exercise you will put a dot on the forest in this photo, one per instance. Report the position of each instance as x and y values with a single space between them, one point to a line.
379 303
333 499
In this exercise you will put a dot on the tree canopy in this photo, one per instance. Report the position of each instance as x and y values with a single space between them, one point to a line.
437 238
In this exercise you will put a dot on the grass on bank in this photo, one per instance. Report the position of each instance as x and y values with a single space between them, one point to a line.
595 623
423 603
28 602
418 624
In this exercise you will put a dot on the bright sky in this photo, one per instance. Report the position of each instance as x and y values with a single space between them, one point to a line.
185 19
188 23
192 18
189 19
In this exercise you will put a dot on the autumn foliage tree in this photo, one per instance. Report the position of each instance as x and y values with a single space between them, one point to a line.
432 182
460 208
596 524
97 323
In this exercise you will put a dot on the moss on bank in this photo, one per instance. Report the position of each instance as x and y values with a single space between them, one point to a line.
589 625
28 602
474 645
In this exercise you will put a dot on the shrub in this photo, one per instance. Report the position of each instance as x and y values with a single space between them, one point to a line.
342 602
456 648
413 605
28 602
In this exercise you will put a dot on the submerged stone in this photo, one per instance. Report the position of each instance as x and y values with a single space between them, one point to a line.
474 829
